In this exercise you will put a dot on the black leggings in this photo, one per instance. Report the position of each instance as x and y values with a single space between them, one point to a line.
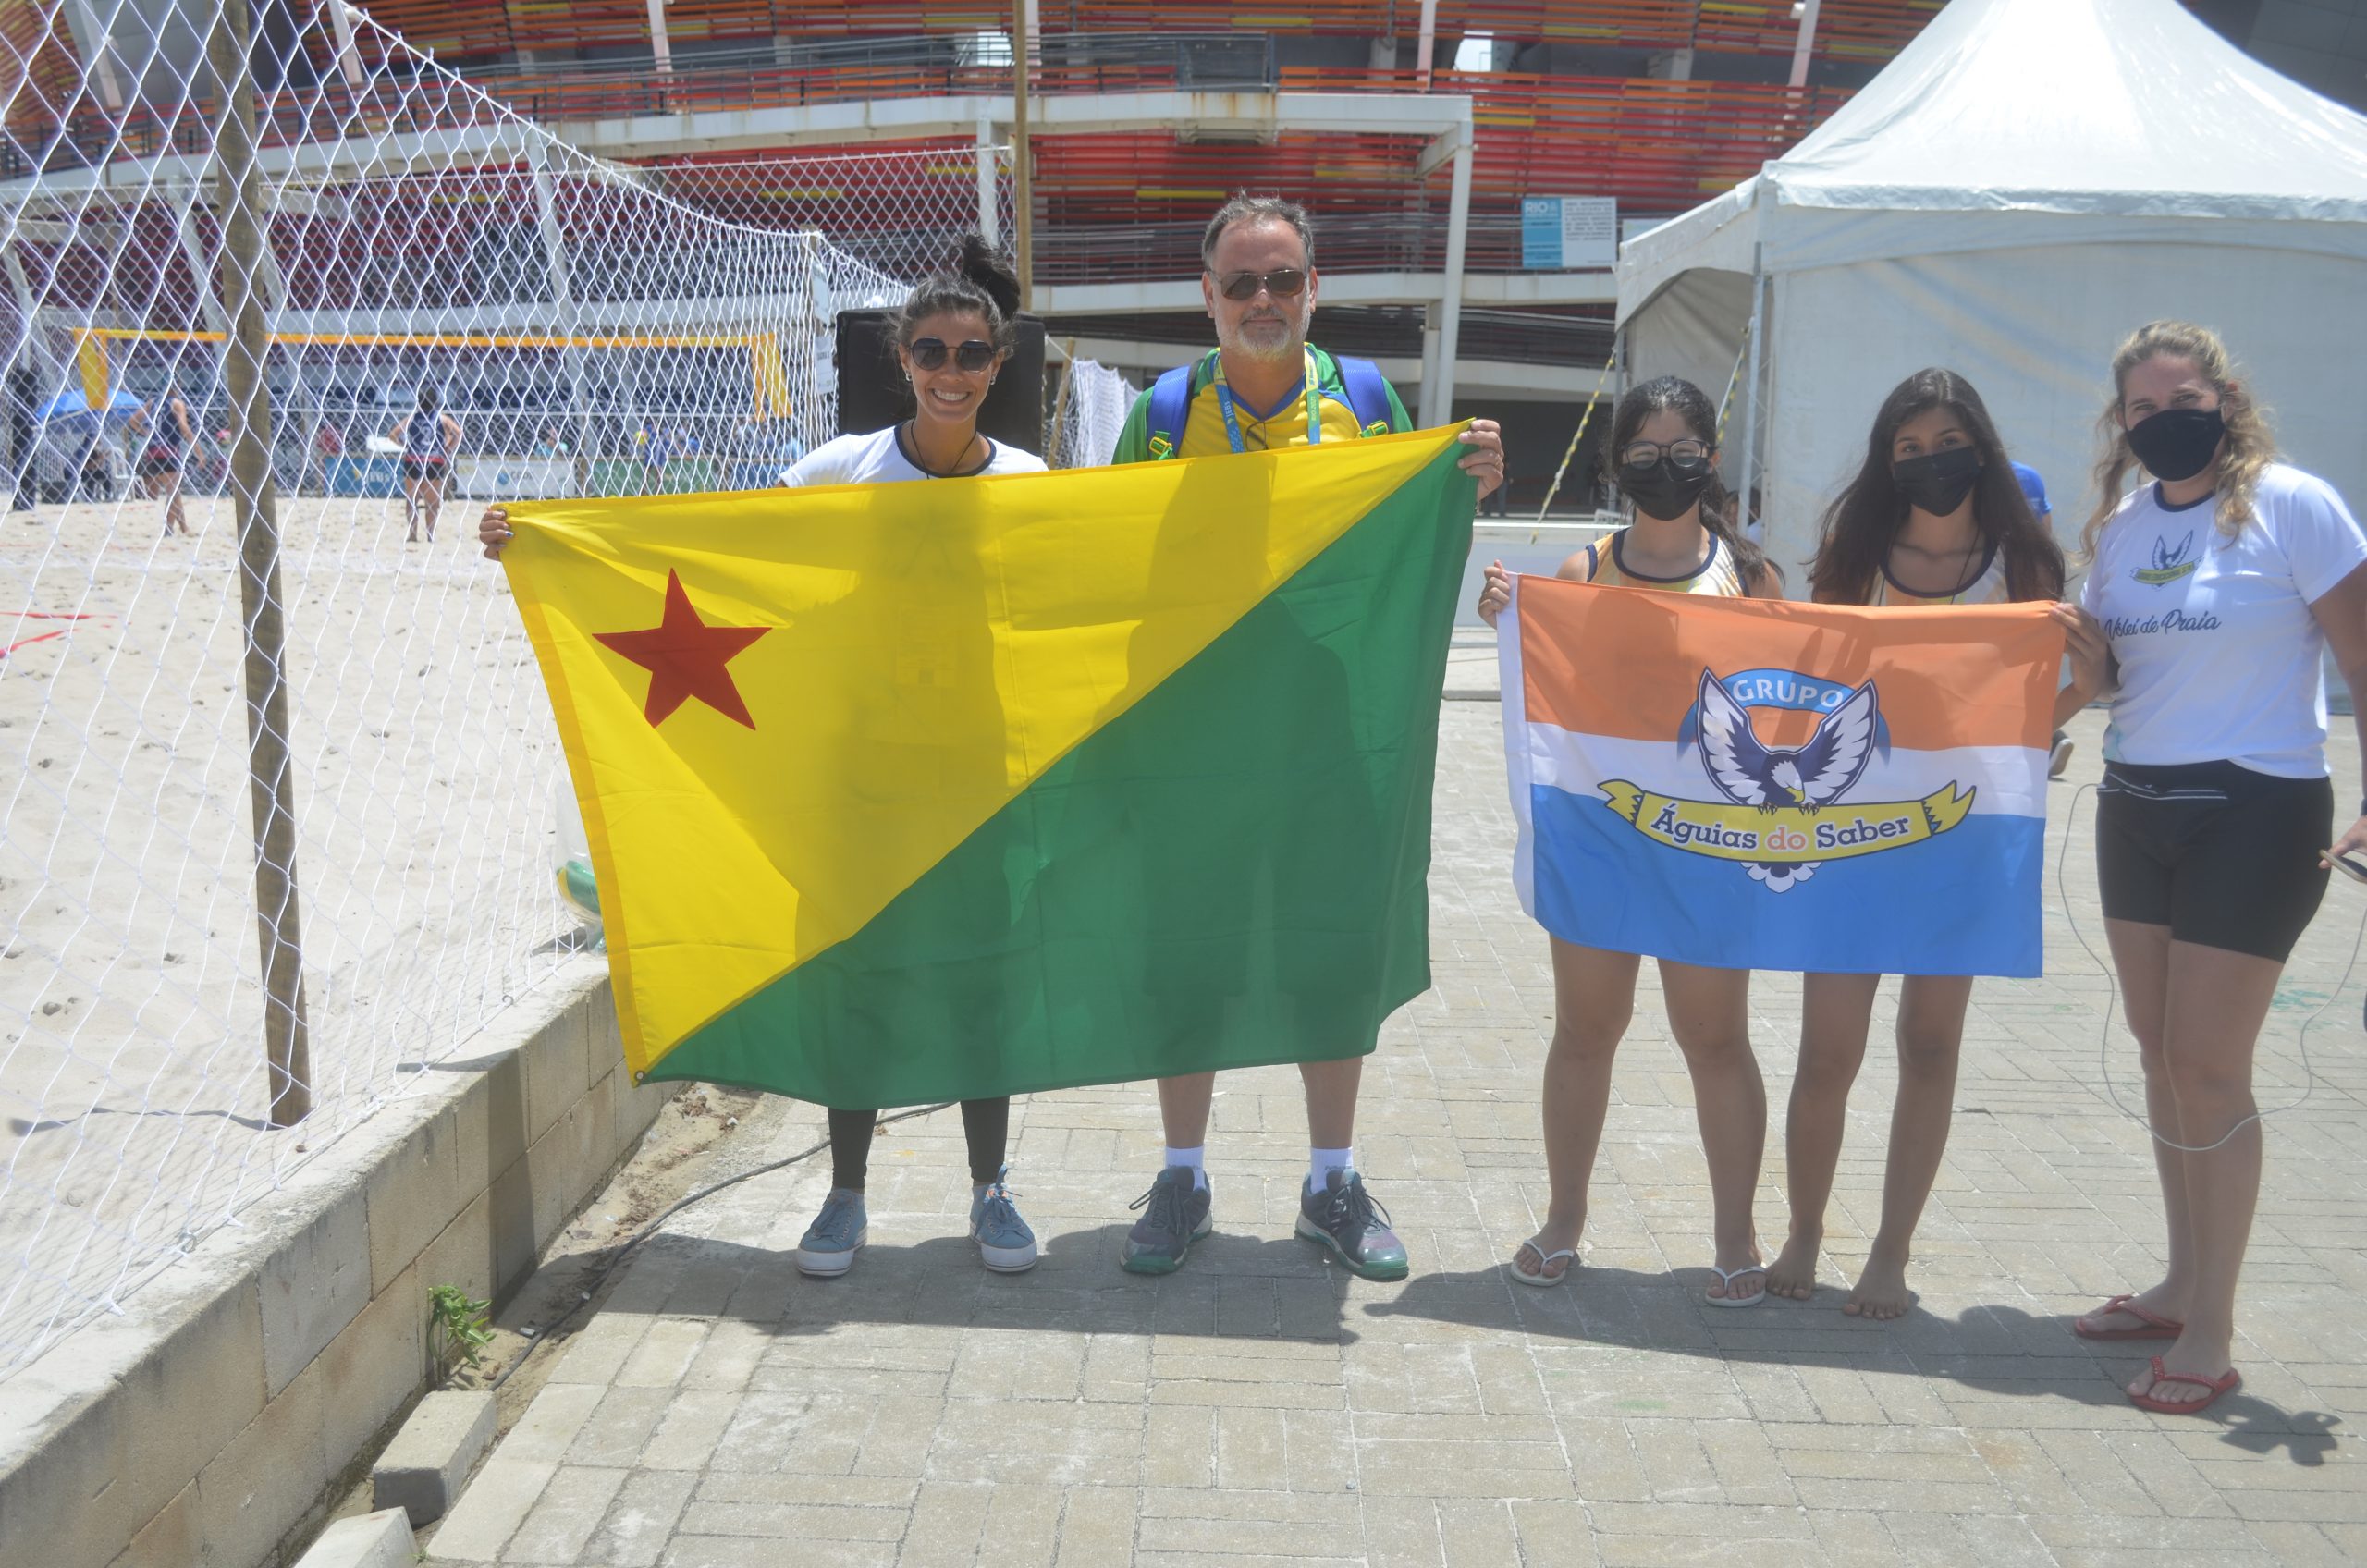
986 1124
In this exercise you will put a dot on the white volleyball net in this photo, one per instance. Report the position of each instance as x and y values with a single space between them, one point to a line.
1089 407
447 306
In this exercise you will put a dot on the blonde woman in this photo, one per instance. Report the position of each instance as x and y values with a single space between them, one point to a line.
2213 594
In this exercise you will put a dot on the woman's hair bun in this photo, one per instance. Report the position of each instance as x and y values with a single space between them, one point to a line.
985 266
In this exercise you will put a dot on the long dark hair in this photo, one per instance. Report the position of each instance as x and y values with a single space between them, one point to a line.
1691 404
1864 520
979 282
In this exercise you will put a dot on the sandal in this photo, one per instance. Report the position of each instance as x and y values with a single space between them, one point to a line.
2151 1325
1728 1278
2228 1384
1545 1260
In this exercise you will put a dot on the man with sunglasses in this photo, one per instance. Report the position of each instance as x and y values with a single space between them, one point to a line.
1264 386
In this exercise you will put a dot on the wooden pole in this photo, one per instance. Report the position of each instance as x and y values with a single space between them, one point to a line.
1022 218
270 769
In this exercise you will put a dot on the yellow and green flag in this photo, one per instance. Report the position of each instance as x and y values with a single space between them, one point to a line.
921 791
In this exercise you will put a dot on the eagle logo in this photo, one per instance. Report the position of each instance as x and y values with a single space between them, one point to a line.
2168 565
1807 777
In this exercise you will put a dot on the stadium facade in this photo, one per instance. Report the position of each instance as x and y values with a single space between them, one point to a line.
1470 163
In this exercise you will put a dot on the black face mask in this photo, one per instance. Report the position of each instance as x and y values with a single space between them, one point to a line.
1938 482
2178 442
1663 490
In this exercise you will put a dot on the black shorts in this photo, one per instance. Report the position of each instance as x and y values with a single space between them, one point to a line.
2222 855
425 467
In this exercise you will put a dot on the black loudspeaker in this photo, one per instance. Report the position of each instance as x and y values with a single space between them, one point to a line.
872 393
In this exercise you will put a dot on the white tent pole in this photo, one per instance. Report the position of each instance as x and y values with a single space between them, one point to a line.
1757 329
1428 41
1458 229
1804 44
988 229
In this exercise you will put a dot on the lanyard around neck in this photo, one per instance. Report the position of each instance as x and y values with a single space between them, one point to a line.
1313 391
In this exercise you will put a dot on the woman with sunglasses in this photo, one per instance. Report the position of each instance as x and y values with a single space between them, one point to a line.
1936 515
1683 539
952 336
2214 595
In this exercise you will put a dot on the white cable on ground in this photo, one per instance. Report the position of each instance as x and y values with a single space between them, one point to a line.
2103 1038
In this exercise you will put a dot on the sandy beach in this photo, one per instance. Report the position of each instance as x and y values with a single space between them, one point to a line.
132 1087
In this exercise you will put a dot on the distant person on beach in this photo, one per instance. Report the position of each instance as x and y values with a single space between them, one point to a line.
165 456
428 437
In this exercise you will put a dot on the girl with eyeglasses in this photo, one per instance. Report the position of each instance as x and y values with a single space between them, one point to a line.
953 336
2213 595
1936 515
1683 538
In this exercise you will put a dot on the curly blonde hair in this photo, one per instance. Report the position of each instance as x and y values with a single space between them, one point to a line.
2249 445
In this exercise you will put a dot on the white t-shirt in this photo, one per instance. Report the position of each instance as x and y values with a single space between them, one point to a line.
878 459
2220 657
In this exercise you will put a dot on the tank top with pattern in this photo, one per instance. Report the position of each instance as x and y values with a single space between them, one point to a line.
1606 565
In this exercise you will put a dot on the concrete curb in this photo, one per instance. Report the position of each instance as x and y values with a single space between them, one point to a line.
422 1470
373 1540
207 1422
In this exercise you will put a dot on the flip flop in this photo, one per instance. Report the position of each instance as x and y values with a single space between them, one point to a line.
2153 1325
1728 1299
2228 1384
1544 1260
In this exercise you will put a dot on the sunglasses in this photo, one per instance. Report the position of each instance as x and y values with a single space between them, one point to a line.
929 354
2350 866
1284 283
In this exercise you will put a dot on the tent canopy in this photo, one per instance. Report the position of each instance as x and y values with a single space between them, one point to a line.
2025 183
70 402
2111 111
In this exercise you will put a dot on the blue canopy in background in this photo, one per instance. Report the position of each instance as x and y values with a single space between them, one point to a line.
70 403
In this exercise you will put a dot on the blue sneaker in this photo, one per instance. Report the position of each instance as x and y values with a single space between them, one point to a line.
1176 1216
1344 1218
836 1235
1005 1243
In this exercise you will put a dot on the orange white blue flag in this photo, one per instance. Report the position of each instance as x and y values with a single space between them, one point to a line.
1754 784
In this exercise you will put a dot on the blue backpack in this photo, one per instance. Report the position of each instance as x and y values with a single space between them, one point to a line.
1171 402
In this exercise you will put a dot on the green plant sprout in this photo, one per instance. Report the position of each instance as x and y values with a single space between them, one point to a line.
457 1329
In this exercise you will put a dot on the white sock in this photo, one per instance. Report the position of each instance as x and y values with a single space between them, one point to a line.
1321 1163
1190 1156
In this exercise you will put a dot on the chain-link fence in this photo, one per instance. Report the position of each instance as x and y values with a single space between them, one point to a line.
282 793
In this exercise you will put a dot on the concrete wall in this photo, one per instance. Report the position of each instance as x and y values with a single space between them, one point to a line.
209 1420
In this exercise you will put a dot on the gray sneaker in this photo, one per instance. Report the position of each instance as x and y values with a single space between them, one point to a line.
836 1235
1005 1243
1175 1214
1344 1219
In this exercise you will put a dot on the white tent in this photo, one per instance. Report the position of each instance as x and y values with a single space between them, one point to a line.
2027 182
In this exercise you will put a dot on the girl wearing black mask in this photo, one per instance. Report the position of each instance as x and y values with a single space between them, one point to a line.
1683 539
2212 596
1934 517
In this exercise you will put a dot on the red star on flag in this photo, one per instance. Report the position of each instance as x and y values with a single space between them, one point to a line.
685 657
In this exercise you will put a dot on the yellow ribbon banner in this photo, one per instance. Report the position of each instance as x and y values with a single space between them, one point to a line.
1789 834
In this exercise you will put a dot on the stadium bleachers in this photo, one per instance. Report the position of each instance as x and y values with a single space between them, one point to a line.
1122 206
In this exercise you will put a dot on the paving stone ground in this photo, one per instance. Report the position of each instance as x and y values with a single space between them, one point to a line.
1262 1407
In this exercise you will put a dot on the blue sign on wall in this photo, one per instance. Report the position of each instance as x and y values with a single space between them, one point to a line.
1541 232
1569 233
